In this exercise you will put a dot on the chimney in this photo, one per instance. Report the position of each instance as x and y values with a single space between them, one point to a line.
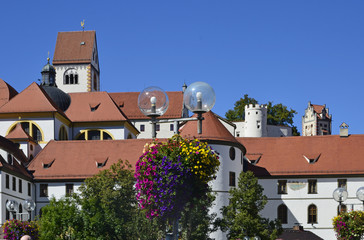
344 130
298 227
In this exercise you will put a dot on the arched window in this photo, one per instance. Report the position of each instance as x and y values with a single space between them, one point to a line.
232 153
63 133
312 214
94 134
282 213
31 128
70 76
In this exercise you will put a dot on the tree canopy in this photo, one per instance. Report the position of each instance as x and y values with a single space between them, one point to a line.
277 114
105 208
241 217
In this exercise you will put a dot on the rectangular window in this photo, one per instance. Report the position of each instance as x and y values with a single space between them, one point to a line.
7 181
158 127
14 184
29 189
282 186
43 190
69 189
312 186
341 183
232 179
20 182
171 127
142 127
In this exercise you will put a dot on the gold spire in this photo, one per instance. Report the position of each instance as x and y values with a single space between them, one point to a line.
48 57
83 25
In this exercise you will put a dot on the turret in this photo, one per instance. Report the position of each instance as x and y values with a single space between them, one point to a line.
255 120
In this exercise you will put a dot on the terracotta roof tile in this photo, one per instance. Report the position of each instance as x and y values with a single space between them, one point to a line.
31 99
13 148
128 102
93 107
7 92
212 130
70 50
329 155
83 159
318 109
19 134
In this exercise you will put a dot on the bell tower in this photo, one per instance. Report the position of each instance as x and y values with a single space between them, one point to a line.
76 62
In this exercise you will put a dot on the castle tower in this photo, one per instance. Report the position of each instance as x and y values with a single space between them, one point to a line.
316 121
255 120
76 62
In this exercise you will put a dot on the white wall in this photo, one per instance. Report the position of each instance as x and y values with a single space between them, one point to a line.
221 184
297 201
82 70
55 189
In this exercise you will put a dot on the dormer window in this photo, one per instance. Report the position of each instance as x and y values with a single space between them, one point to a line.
70 77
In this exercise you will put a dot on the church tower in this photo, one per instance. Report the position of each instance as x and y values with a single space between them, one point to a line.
316 121
76 62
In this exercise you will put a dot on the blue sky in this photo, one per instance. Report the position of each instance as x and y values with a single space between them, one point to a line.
284 51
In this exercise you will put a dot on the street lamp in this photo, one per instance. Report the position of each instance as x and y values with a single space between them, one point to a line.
29 206
360 195
340 195
199 98
12 206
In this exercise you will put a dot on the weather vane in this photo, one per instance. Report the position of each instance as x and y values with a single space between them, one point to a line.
83 25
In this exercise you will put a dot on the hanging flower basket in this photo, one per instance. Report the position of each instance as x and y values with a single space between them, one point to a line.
170 174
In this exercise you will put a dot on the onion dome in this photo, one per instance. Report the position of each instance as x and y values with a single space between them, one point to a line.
60 98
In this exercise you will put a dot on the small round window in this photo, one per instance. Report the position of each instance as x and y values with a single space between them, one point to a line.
232 153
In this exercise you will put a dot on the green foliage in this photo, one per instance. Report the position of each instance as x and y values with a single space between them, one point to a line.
196 221
60 219
277 114
349 225
108 203
105 209
238 114
15 229
241 217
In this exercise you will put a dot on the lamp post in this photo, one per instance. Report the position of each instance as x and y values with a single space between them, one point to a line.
340 195
12 206
360 195
199 98
29 206
153 102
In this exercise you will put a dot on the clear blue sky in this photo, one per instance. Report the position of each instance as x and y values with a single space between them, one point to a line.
288 52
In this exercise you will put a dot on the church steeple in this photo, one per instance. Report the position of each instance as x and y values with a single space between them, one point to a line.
48 75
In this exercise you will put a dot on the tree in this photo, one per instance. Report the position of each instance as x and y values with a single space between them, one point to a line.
277 114
241 217
109 207
196 221
61 220
106 208
238 114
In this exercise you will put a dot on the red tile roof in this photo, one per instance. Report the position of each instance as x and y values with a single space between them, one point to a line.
93 107
31 99
318 109
212 131
70 50
79 159
7 92
286 156
128 102
19 134
13 148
